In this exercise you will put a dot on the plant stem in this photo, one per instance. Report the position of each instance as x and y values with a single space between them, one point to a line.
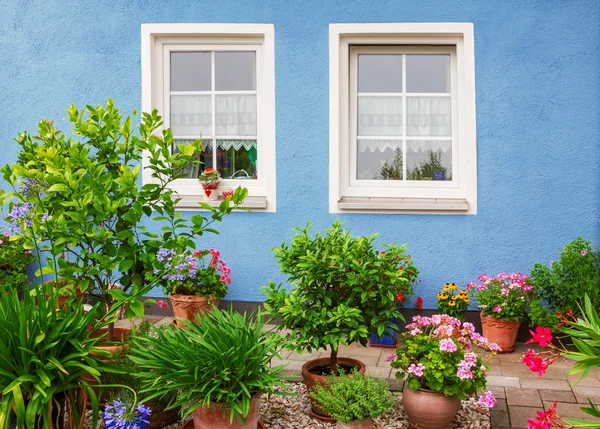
333 362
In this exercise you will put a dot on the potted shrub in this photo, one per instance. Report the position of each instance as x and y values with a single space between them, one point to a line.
194 285
344 289
451 302
353 399
439 361
78 199
218 369
210 179
504 301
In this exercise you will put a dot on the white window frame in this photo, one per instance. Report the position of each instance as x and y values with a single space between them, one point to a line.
346 194
158 40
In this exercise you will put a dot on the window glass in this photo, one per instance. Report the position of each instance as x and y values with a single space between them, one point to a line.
190 71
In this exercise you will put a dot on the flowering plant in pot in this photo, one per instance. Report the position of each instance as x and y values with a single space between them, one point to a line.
353 399
585 332
345 288
218 369
441 365
210 179
195 281
504 302
451 302
124 412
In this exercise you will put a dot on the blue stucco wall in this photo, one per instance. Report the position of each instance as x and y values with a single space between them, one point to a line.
538 118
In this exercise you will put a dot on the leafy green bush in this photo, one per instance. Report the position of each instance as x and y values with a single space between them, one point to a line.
345 288
224 359
14 260
353 396
563 283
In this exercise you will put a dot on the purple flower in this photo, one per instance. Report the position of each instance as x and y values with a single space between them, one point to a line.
447 345
417 369
488 399
165 255
391 357
584 252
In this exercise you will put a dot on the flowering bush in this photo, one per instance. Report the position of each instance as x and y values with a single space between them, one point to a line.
125 414
451 303
505 296
439 354
209 177
562 283
585 332
190 274
14 260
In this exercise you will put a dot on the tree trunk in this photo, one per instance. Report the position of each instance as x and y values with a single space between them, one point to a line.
333 362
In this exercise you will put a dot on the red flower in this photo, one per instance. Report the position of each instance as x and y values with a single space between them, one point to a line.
90 327
535 363
543 420
383 252
400 296
419 303
541 335
401 268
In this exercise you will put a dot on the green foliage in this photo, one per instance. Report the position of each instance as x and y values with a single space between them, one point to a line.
344 289
393 170
14 260
452 303
223 358
44 351
353 396
86 210
425 170
540 315
562 284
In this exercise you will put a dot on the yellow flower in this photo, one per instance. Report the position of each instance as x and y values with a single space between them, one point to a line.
442 296
453 286
452 303
463 293
447 286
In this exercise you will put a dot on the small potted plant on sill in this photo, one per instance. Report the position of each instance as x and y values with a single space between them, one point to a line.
353 399
441 367
504 302
194 285
220 367
344 289
210 179
451 302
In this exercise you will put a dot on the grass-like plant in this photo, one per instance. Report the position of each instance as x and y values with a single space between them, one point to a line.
353 397
224 359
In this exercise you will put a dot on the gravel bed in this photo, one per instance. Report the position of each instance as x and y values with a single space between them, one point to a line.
292 412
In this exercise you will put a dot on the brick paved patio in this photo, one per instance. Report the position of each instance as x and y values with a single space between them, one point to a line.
520 393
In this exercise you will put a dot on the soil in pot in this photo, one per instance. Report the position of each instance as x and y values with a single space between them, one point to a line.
500 331
427 409
160 417
214 417
186 306
365 424
314 371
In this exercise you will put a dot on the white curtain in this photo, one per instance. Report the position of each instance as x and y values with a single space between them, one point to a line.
236 115
379 116
428 116
191 115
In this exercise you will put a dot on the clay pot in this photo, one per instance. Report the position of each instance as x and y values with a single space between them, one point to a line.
213 417
311 379
427 409
63 298
185 306
502 332
365 424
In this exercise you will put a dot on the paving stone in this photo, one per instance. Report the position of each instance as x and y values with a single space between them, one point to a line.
294 355
583 393
568 410
165 321
503 381
499 419
519 415
543 383
375 371
520 370
360 352
293 368
501 405
523 397
395 385
382 363
498 391
589 381
558 395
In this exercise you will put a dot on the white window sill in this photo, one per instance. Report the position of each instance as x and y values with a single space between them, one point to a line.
408 205
190 202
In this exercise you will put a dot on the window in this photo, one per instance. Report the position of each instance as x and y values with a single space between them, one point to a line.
216 81
402 118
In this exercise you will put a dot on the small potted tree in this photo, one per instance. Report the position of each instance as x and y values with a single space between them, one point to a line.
194 285
353 399
218 369
344 289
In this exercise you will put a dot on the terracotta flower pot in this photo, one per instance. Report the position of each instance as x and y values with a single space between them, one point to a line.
502 332
311 379
364 424
427 409
62 299
185 306
214 417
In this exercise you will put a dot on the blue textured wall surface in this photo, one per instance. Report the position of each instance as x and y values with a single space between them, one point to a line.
537 66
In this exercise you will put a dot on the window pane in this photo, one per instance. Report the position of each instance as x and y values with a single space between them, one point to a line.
429 160
236 159
379 116
193 171
379 160
429 116
235 71
428 73
191 115
236 115
190 71
379 73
